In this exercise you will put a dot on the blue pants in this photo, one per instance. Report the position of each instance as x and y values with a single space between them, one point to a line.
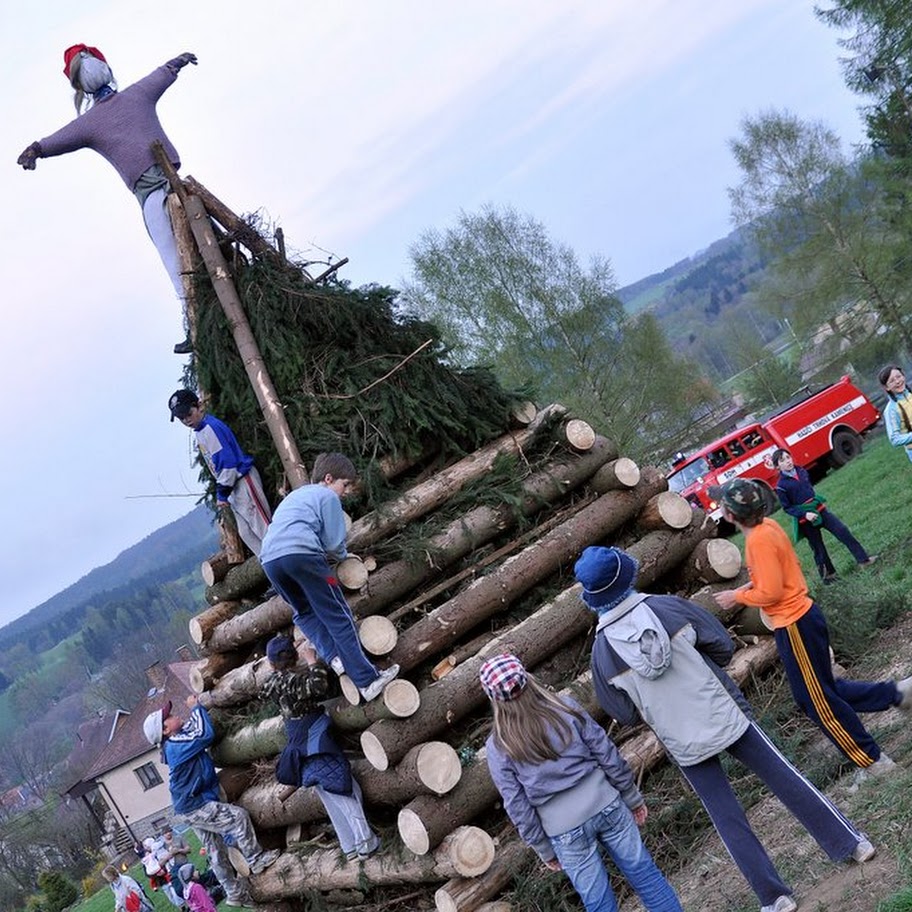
321 613
804 648
835 835
837 528
614 828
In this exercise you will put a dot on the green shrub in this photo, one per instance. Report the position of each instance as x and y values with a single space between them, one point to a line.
58 891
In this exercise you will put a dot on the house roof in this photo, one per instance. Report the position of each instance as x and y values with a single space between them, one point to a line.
91 738
128 741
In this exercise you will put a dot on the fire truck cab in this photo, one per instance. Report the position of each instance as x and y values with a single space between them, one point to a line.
820 429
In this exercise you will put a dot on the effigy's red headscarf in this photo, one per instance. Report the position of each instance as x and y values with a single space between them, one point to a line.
71 52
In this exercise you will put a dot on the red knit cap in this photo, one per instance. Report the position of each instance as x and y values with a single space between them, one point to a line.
71 52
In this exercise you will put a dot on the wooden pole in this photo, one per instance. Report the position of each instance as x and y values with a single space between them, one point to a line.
220 275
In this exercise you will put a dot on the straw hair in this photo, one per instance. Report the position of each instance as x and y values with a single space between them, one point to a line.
524 728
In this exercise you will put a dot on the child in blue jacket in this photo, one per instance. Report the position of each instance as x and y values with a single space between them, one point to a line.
194 790
307 531
812 516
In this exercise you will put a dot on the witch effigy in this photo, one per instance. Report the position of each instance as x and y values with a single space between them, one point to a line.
121 126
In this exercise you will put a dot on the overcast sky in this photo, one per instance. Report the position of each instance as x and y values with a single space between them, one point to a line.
355 126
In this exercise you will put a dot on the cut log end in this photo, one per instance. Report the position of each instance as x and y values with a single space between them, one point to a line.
351 573
523 413
349 690
618 475
666 510
470 849
579 434
413 832
375 753
197 684
238 862
439 767
378 635
401 698
724 557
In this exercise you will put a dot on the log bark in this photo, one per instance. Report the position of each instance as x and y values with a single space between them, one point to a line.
616 475
261 621
189 259
238 582
667 510
213 569
426 596
205 674
272 805
497 590
252 742
478 527
538 636
464 894
239 685
704 596
202 625
430 494
248 349
235 780
378 635
229 536
294 873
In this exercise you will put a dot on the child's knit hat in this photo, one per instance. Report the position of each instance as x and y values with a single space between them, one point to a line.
503 677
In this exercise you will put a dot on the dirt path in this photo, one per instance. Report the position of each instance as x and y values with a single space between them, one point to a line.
880 808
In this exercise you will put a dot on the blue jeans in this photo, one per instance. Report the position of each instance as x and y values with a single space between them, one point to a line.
614 828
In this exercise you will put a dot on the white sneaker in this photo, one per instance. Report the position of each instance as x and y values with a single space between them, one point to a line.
784 903
337 666
264 861
881 766
375 688
864 851
905 691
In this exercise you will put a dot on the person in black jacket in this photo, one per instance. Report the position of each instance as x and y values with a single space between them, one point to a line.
812 516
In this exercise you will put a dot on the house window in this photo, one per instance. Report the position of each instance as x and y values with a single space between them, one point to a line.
148 776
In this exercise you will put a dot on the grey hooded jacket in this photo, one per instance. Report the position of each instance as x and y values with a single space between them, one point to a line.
660 657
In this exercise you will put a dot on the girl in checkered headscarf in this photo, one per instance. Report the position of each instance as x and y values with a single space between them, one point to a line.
567 789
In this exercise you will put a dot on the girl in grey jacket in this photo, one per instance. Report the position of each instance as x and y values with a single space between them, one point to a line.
567 789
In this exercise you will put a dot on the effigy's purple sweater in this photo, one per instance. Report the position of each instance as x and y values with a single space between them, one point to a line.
121 128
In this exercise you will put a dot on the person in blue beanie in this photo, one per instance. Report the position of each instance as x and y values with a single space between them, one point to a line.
659 658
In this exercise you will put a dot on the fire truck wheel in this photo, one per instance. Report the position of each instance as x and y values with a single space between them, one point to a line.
846 446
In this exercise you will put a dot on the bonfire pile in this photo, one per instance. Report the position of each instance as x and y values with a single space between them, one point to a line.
487 582
458 558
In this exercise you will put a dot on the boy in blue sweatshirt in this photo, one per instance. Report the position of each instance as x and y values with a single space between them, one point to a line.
194 790
237 482
307 531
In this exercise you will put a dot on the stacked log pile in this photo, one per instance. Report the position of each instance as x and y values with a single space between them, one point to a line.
450 586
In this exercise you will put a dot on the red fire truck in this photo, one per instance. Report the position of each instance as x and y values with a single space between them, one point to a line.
819 429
